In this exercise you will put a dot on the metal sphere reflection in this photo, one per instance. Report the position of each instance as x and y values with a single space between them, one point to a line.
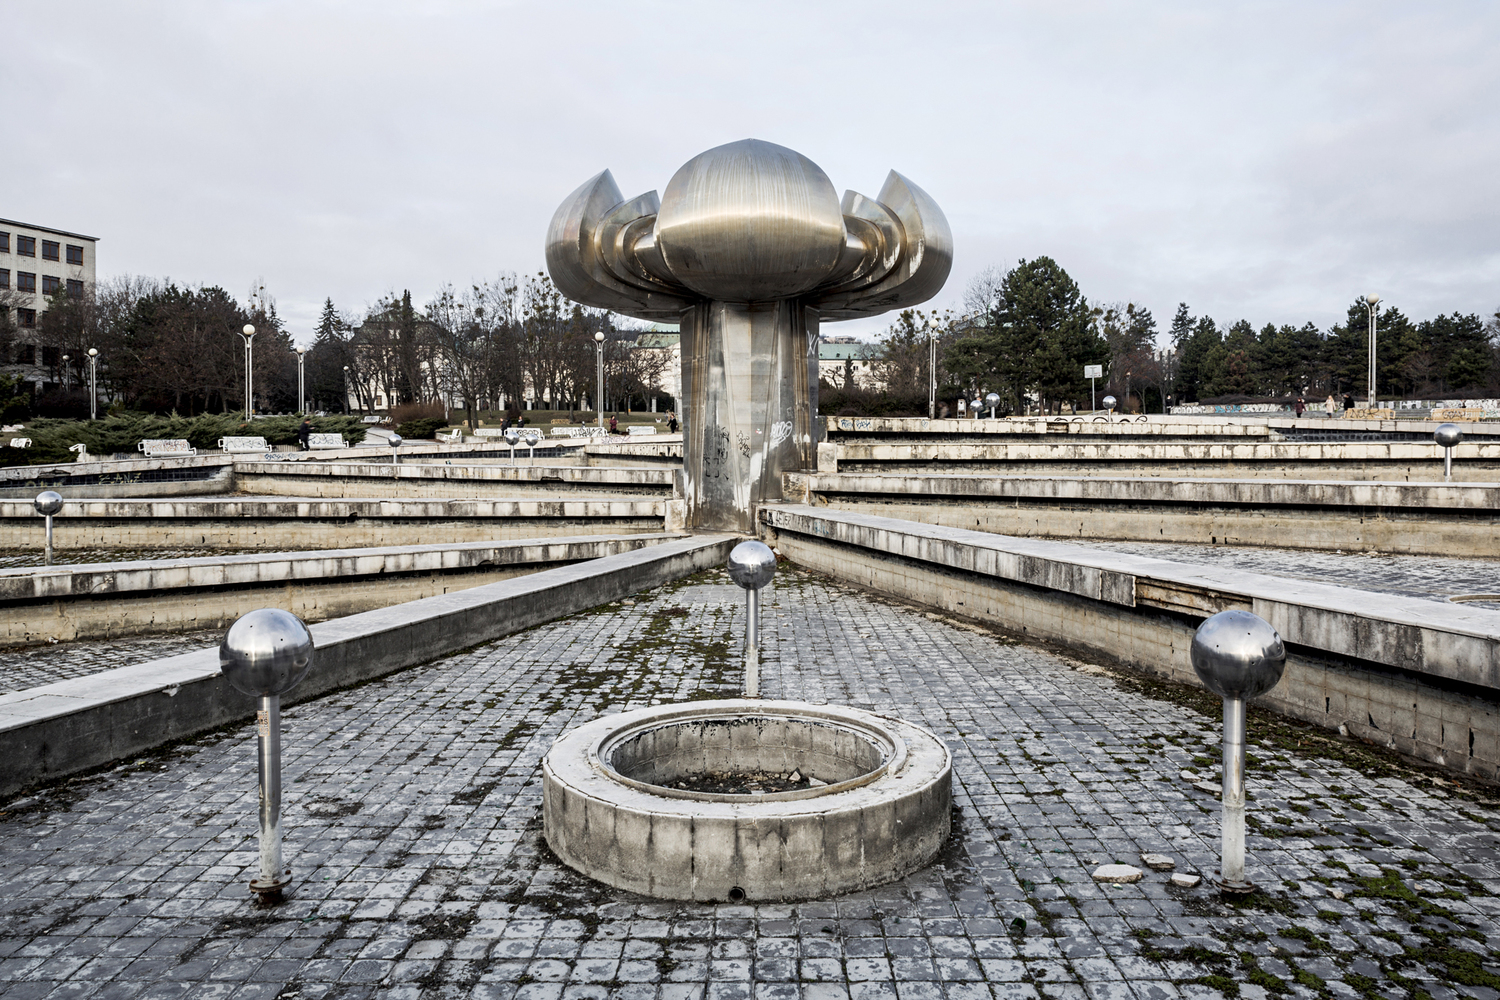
1448 435
266 652
752 564
511 435
1109 402
1237 654
48 502
395 440
992 400
531 435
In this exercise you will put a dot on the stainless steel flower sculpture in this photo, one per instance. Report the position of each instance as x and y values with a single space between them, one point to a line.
749 250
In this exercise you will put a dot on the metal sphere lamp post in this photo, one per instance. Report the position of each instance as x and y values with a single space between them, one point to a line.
1109 404
248 333
395 443
751 565
1448 436
1237 656
93 384
1371 301
992 401
301 394
47 503
531 436
511 437
599 350
976 406
265 654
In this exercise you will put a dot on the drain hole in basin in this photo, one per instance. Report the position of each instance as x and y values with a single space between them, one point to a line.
747 756
736 895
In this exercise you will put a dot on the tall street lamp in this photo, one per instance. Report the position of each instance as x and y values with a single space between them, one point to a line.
346 388
599 403
93 384
1371 301
931 373
248 333
65 372
301 395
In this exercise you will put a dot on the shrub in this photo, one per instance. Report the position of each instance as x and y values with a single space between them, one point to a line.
407 412
421 427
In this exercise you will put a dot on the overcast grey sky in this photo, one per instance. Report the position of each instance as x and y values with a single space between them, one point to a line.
1267 161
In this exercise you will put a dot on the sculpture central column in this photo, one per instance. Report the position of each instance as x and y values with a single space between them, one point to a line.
749 388
749 250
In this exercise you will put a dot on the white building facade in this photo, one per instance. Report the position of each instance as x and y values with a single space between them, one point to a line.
37 263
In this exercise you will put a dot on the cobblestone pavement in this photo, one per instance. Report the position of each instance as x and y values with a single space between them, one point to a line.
413 819
1431 578
28 668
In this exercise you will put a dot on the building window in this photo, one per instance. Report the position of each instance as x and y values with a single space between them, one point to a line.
51 357
25 281
26 246
51 250
26 353
4 242
75 288
75 255
50 284
4 277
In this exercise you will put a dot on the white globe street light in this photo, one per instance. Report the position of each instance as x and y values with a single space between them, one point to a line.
301 394
93 384
248 333
599 402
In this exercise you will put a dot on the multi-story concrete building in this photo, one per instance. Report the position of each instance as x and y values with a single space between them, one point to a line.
37 263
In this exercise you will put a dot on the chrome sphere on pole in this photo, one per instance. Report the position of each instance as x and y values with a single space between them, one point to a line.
1109 403
1448 435
1237 654
511 436
992 400
532 436
395 440
48 502
266 652
752 564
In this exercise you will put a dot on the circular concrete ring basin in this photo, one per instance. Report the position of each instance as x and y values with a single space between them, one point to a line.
610 811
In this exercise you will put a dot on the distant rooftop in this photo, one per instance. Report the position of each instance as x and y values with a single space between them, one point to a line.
47 229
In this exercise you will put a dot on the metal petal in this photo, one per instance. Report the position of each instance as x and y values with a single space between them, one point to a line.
575 264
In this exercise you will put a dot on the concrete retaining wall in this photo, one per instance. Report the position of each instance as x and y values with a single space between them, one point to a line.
98 601
280 525
1409 518
1417 675
64 728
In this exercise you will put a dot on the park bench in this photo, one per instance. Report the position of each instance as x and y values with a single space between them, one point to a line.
233 444
371 420
489 432
83 451
165 447
20 442
635 429
457 437
325 442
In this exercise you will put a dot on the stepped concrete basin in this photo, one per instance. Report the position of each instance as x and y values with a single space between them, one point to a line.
624 800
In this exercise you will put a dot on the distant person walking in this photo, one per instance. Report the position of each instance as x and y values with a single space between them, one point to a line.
1330 406
1299 406
672 423
614 426
1348 401
304 434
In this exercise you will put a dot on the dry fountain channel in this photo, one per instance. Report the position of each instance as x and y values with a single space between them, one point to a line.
413 812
